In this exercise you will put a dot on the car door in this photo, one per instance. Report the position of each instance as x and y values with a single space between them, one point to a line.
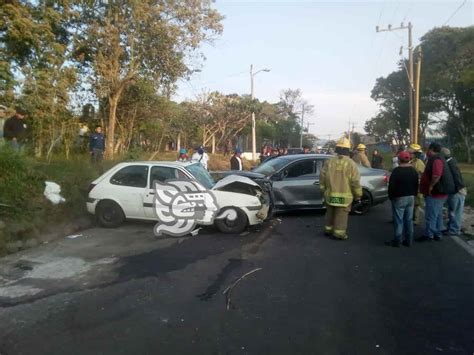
319 166
127 186
297 185
162 174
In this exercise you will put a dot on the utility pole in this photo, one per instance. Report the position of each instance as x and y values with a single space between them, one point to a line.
410 71
254 133
416 124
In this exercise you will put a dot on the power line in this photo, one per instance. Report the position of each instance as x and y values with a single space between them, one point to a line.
408 11
395 12
455 12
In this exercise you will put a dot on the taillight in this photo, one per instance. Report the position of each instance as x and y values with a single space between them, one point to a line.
386 177
91 186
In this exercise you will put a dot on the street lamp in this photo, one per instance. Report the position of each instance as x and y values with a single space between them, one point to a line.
254 135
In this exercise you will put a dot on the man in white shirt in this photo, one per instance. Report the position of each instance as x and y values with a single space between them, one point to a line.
201 156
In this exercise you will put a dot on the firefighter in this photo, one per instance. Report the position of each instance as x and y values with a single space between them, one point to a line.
419 166
340 185
360 157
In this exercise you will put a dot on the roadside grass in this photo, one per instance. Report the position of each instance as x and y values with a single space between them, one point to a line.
25 213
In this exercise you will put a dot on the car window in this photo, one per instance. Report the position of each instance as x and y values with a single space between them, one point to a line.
163 173
133 176
319 166
300 169
269 167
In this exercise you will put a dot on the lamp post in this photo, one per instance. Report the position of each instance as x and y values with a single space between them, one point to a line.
254 134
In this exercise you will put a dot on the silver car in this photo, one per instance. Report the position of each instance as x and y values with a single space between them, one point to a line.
295 180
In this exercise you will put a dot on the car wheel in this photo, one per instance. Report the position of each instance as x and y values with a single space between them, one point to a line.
365 203
109 214
234 223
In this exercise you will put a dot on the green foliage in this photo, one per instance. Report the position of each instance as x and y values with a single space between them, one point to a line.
35 38
125 41
446 92
448 73
22 182
18 182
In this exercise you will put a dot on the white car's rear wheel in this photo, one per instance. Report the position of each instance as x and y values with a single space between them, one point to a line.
235 222
109 214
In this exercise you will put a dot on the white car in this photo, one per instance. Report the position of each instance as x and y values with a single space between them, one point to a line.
127 192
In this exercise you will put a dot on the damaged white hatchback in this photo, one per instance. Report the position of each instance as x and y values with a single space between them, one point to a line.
127 191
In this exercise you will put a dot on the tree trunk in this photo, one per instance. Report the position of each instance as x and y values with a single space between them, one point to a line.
110 141
467 143
39 141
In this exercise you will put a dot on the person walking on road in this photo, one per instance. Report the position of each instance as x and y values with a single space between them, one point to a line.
455 200
14 129
340 185
377 160
436 184
236 160
402 189
97 145
417 163
360 157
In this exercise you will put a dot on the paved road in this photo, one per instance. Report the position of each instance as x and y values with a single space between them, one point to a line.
123 292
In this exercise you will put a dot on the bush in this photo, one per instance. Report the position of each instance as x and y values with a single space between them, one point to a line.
24 209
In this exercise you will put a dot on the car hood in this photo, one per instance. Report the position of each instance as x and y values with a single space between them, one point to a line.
233 179
248 174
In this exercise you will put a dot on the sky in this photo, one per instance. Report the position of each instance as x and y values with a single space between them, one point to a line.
328 49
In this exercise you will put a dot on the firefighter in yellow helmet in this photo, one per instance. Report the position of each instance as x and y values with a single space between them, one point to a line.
340 184
419 166
360 157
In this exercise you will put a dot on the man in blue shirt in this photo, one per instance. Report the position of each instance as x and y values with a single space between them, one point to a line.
97 145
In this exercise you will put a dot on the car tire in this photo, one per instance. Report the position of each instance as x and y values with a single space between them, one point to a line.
236 226
364 206
109 214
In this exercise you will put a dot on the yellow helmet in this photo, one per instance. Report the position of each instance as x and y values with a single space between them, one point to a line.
414 148
361 147
343 143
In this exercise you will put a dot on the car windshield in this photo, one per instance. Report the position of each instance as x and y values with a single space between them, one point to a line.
269 167
201 175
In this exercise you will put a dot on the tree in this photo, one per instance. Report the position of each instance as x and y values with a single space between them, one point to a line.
222 117
122 41
392 121
291 107
35 42
448 78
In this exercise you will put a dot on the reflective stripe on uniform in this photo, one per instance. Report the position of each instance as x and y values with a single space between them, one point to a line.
339 199
340 233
